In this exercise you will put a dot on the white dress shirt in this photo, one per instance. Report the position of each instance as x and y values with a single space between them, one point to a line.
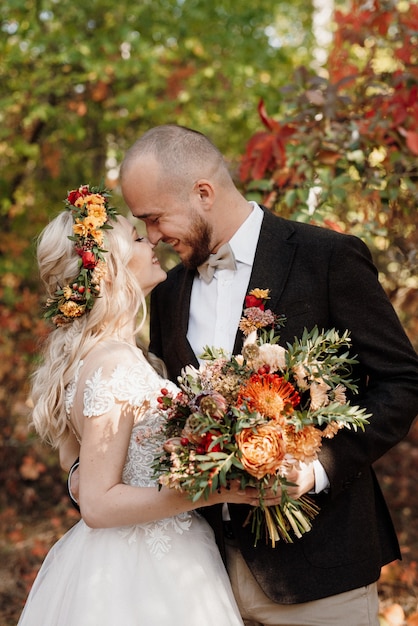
216 307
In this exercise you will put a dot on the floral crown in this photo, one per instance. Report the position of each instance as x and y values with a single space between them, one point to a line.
91 213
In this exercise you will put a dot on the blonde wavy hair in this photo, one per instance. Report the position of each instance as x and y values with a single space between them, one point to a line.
113 316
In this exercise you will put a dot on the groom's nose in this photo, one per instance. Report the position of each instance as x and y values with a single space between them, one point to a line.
154 234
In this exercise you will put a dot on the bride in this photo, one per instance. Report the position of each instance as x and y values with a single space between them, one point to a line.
139 556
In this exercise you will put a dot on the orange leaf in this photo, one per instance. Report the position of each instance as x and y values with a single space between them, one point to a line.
394 615
31 469
99 91
328 157
51 159
333 226
412 620
39 549
16 535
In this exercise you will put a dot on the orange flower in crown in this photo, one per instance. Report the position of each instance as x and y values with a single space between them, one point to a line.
91 214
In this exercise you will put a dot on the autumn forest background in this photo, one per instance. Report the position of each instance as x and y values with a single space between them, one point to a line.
315 106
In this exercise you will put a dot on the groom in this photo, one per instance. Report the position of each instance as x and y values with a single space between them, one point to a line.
177 182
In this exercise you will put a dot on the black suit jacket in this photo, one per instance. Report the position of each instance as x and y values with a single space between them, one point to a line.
319 277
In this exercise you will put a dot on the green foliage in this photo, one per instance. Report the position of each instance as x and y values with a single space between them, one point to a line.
342 151
321 356
79 82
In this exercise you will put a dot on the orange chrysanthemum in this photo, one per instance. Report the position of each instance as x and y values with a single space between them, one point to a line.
304 444
269 394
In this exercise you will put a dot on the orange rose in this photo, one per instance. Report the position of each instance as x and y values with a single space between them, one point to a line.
262 449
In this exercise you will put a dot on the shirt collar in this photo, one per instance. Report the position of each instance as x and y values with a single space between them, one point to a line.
244 242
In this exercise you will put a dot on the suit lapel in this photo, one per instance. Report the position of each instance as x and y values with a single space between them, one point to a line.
181 317
273 260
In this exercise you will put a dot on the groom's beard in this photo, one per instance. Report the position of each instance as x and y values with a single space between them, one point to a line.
199 241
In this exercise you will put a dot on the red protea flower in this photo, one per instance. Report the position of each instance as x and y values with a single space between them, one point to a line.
269 394
212 403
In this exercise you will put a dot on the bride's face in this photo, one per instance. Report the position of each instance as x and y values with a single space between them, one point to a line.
143 263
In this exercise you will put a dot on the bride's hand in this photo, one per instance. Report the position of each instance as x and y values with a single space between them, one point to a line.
234 494
302 476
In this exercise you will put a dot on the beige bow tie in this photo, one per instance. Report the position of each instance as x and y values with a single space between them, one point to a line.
223 259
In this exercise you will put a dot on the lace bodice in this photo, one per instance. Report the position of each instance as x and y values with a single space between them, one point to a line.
139 386
126 376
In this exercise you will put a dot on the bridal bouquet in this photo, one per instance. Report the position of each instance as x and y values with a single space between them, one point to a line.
253 417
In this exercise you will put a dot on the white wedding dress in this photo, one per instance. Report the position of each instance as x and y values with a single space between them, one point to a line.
164 573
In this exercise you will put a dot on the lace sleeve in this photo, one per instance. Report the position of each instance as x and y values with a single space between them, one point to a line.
127 378
98 396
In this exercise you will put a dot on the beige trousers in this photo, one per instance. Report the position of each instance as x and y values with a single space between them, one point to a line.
359 607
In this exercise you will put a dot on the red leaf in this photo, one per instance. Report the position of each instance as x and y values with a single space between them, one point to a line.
382 22
404 53
256 157
412 141
262 159
410 17
268 122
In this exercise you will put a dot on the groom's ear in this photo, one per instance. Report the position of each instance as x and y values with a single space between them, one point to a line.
205 192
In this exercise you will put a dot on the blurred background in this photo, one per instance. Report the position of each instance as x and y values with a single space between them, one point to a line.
315 106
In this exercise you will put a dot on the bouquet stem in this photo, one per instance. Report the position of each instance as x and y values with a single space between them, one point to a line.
282 522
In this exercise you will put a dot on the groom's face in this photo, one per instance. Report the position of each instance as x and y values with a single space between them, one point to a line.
196 242
175 217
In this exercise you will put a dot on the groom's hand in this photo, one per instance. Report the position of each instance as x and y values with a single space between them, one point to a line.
304 479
